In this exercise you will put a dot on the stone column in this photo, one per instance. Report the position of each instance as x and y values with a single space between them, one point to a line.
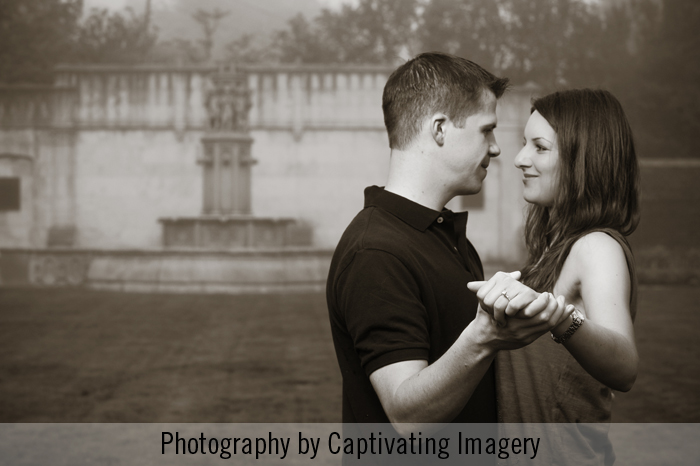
226 173
226 160
59 150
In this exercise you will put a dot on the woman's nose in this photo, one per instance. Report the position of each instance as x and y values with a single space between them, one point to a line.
522 160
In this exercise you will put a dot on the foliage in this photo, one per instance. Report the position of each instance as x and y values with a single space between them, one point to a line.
374 31
110 37
34 34
304 43
551 42
249 48
557 42
177 52
651 64
469 28
644 51
183 51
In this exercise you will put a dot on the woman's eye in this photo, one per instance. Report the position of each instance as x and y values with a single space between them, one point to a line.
540 148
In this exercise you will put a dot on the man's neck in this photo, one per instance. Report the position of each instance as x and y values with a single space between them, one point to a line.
412 176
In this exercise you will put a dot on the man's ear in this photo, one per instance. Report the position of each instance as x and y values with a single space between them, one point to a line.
437 128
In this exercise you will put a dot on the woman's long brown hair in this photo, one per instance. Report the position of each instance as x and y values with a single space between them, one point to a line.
598 185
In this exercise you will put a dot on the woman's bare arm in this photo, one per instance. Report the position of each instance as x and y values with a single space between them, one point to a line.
604 345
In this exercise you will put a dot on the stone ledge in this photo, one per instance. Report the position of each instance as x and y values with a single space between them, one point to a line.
249 271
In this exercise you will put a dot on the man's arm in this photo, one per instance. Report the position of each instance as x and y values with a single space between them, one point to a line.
382 308
413 392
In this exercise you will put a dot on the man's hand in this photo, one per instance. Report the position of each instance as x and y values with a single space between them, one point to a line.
519 332
413 392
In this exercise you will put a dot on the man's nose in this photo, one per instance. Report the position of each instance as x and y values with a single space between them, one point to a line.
494 150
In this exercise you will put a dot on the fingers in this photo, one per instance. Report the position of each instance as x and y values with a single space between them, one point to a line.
553 304
547 305
503 295
539 311
525 307
520 332
481 309
499 314
536 307
490 292
475 286
552 314
498 277
561 315
510 296
487 287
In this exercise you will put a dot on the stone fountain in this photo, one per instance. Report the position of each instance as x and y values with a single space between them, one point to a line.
226 222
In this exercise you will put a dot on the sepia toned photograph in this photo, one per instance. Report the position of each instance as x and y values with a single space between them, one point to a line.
397 212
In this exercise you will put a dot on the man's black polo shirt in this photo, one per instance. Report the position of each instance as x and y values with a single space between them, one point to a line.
397 291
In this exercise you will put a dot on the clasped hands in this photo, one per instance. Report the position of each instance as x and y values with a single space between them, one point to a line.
504 297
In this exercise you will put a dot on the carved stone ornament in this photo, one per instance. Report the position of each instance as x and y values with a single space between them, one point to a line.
54 270
228 100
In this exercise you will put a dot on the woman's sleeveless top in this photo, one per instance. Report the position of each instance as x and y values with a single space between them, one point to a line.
543 383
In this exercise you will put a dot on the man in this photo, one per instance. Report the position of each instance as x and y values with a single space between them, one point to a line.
412 344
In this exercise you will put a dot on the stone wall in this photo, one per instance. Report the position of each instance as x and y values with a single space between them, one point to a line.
37 146
113 149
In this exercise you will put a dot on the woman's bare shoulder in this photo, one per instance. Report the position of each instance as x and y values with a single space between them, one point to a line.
598 252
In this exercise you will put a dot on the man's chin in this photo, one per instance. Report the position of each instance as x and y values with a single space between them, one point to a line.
469 191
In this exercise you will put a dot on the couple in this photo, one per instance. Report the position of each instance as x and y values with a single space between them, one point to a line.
419 336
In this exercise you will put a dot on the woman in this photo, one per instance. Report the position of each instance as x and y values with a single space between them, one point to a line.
580 178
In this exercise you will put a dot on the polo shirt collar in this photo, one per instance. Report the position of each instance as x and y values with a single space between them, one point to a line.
414 214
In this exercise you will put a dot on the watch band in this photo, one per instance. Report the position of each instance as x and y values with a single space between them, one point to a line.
576 320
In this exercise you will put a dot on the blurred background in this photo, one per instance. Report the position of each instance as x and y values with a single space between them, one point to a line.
174 176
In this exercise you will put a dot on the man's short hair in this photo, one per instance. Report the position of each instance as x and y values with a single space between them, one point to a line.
430 83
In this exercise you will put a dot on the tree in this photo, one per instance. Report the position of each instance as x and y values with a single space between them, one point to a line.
177 51
471 29
541 39
112 37
35 35
303 42
249 48
374 31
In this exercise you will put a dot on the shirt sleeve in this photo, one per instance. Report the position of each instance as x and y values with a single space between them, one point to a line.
386 319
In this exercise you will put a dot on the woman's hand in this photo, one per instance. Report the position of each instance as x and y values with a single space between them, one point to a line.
519 332
504 296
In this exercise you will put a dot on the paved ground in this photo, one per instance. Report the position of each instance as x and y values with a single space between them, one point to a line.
77 356
84 356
